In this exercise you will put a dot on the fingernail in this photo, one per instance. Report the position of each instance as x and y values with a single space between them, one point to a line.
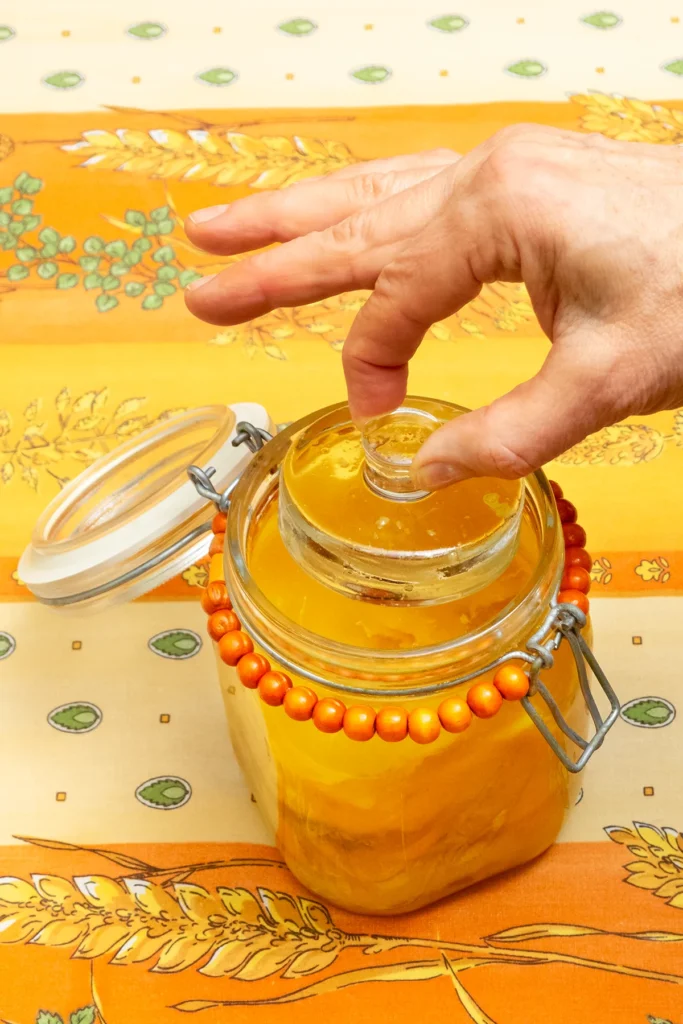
436 475
208 213
199 282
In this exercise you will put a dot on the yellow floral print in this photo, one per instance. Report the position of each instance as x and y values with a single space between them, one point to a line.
653 570
658 866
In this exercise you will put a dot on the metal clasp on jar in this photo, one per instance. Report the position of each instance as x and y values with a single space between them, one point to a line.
565 622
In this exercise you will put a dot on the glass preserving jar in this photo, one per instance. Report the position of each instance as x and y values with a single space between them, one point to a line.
407 676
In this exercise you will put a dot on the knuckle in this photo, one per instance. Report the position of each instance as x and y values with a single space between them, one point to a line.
513 133
343 235
509 464
368 187
507 164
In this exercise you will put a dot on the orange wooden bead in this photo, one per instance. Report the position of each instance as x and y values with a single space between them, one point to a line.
556 489
578 556
574 535
454 714
511 682
566 511
423 725
222 622
273 687
215 596
576 598
219 522
359 723
328 715
299 703
234 646
576 578
217 545
392 724
484 700
250 668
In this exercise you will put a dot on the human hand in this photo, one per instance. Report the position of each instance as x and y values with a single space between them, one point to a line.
593 227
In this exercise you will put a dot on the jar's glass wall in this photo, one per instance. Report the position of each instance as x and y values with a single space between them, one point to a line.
379 827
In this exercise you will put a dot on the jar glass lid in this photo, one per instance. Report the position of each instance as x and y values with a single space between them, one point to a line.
351 515
134 519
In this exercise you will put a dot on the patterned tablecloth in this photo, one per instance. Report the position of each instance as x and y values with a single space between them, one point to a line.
125 900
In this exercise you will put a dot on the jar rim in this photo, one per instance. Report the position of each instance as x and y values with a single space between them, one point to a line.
258 483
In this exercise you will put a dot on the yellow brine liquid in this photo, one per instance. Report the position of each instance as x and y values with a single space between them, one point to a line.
383 827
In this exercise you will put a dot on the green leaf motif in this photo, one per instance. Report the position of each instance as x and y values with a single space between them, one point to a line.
9 242
16 229
22 206
160 214
17 272
64 80
118 269
31 222
110 283
89 262
31 186
649 712
7 644
164 289
88 1015
116 249
602 19
49 236
48 251
47 270
5 218
527 68
92 245
48 1018
449 23
217 76
67 281
6 33
134 288
147 30
26 253
164 255
166 273
373 74
79 717
21 180
142 244
6 194
91 281
165 227
164 794
175 643
152 302
132 258
105 303
298 27
67 244
657 1020
675 67
135 218
187 277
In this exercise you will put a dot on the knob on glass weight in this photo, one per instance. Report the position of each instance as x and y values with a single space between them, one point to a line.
369 533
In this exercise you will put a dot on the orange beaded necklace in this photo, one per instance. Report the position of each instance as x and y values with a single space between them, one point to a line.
391 724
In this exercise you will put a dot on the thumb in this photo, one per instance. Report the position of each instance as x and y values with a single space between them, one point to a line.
518 433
